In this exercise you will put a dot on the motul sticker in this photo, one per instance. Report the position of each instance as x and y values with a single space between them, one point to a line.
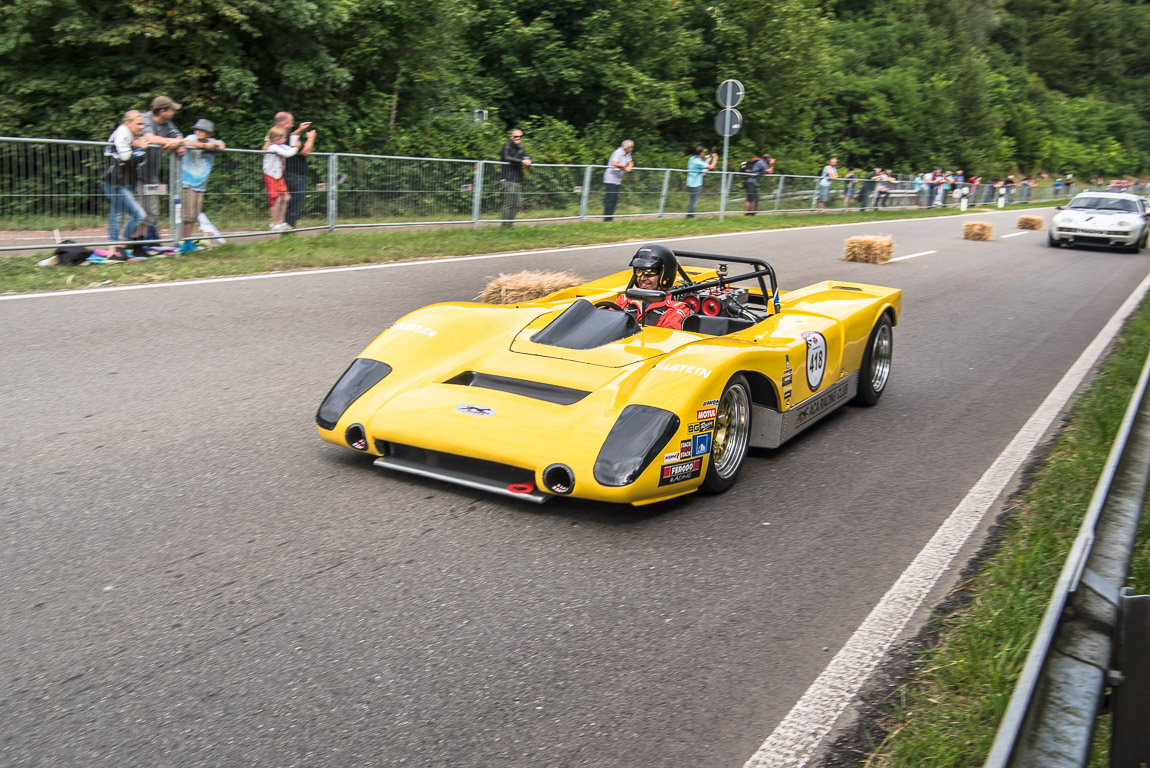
706 413
701 426
677 473
816 359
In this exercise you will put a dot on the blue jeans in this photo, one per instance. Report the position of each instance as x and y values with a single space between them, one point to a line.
693 199
123 206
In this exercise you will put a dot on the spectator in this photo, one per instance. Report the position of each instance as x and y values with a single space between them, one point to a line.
920 189
619 163
120 162
849 189
1058 187
197 165
163 135
866 191
1011 186
1024 189
755 169
511 178
277 150
698 164
823 191
295 168
882 181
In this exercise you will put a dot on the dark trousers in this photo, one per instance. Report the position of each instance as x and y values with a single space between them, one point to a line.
610 200
297 188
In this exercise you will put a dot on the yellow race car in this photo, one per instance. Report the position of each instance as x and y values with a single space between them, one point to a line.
610 390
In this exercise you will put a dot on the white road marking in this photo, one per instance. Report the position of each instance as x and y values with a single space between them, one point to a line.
1016 234
448 260
912 255
794 741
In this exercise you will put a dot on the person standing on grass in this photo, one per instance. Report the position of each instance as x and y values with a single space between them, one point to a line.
295 168
163 136
698 164
276 151
127 147
197 165
823 188
619 163
515 159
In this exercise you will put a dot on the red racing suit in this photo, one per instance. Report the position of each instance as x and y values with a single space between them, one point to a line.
663 314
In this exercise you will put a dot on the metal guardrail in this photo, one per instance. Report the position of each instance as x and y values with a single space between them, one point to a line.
49 184
1093 633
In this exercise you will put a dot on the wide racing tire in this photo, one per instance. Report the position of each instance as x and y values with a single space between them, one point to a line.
875 371
731 437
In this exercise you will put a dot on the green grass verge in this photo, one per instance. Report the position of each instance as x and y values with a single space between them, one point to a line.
948 714
19 274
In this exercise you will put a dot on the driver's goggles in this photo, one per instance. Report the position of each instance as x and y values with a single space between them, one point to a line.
646 273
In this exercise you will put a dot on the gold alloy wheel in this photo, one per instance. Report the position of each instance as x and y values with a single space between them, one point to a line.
732 430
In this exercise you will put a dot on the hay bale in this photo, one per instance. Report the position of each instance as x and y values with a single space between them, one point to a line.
869 249
978 230
526 286
1030 222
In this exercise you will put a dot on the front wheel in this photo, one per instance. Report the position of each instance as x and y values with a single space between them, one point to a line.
1051 242
875 370
731 436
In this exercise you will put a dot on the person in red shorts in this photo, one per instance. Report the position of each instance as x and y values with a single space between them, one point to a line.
276 152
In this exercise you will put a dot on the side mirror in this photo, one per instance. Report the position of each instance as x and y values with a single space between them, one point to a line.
642 294
1058 207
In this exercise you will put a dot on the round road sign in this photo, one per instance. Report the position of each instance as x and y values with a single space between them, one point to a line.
730 93
728 122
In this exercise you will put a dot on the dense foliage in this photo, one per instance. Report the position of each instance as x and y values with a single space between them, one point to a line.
986 85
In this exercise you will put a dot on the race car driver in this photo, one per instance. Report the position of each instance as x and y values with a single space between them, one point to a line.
655 269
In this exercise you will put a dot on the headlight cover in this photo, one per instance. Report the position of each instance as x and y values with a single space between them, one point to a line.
636 439
361 375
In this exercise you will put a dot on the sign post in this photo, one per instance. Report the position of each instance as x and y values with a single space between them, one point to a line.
727 124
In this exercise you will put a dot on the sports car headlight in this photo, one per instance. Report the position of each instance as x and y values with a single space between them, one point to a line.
636 439
362 375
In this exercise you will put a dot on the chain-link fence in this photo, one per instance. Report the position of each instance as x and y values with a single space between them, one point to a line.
50 190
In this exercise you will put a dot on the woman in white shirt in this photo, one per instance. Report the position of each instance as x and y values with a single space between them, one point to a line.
127 147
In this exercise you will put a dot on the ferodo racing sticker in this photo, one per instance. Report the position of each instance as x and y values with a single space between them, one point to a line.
678 473
816 359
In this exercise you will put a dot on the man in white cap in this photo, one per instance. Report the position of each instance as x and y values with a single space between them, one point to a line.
197 165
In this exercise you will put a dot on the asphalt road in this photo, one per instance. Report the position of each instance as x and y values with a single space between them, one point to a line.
192 578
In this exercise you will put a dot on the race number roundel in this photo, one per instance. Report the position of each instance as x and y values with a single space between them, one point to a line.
816 359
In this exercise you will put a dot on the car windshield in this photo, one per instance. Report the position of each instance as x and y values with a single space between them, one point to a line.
1103 204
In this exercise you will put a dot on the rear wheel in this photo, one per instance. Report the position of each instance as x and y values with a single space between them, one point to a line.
875 370
731 436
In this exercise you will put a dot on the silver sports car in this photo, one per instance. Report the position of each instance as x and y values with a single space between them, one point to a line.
1109 219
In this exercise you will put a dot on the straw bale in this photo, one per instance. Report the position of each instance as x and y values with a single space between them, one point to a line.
869 249
1030 222
978 230
526 286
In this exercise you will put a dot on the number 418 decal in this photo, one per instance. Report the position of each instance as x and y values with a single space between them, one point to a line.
816 359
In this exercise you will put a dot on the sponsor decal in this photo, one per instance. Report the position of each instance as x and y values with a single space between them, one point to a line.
701 426
678 473
706 413
413 328
681 368
816 359
360 445
702 444
475 410
685 449
710 403
786 393
819 405
672 456
787 377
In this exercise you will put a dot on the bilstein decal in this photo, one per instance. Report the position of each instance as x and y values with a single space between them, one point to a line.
413 328
681 368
